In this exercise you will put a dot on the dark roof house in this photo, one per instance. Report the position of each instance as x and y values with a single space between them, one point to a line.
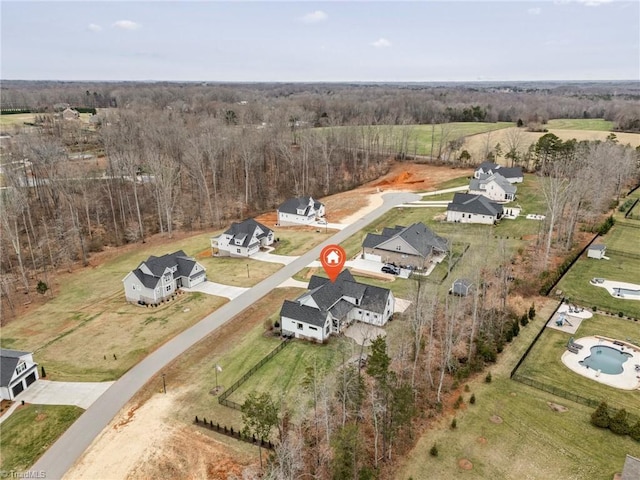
513 174
477 204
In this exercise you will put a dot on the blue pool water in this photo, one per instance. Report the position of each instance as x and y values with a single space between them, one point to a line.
606 359
626 292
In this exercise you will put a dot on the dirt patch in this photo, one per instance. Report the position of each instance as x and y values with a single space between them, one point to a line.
127 417
496 419
312 271
557 408
465 464
482 440
40 417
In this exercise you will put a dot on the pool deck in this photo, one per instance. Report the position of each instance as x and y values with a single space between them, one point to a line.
629 379
611 287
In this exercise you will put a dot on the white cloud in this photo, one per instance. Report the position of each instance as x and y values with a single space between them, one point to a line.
381 43
315 17
126 25
534 11
593 3
94 28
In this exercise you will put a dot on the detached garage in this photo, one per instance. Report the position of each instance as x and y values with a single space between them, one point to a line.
17 372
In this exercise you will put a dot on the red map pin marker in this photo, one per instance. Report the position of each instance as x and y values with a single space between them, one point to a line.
332 259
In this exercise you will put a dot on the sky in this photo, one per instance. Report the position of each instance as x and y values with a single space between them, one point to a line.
332 41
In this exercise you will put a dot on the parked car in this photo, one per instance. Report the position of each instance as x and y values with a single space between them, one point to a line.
392 269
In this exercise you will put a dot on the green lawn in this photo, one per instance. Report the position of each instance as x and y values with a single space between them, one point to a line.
598 124
543 363
296 242
239 272
30 431
533 441
620 240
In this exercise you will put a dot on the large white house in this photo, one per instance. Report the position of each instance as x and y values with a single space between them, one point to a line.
17 372
512 174
300 211
242 239
328 308
158 278
493 186
466 208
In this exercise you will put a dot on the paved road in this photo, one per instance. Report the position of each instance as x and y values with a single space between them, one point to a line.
72 444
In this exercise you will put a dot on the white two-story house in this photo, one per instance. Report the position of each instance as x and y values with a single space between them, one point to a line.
493 186
242 239
330 307
300 211
159 277
17 372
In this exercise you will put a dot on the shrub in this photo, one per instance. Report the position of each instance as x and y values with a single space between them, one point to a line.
42 287
620 314
515 328
276 324
487 379
532 312
268 324
454 424
595 309
434 450
634 431
472 400
600 417
524 320
618 423
466 388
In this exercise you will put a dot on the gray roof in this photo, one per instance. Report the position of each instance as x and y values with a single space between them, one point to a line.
158 265
478 204
329 296
597 247
483 179
293 204
506 172
461 286
302 313
631 469
246 229
418 235
8 363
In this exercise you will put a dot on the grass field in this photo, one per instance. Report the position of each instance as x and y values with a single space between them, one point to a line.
22 118
532 442
295 242
543 363
239 272
623 265
596 124
30 431
89 319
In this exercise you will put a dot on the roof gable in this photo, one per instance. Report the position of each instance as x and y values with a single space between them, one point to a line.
417 239
478 204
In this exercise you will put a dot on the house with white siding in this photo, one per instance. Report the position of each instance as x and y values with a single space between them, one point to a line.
242 239
493 186
17 372
466 208
300 211
158 278
330 307
411 246
512 174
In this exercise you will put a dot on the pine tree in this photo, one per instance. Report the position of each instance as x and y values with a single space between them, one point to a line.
618 423
600 417
634 431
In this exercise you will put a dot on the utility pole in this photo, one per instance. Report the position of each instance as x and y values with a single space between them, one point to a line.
164 384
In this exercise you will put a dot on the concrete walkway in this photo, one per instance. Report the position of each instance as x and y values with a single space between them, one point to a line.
81 394
46 392
218 289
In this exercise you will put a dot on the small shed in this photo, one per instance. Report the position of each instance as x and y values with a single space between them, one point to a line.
596 251
461 287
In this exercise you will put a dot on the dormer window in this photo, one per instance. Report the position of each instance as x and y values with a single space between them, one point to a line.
21 368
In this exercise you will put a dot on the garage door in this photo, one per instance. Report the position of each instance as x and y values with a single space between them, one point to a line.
17 389
371 256
31 378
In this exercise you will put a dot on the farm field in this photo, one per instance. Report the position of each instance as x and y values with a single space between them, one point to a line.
30 430
543 364
533 441
594 124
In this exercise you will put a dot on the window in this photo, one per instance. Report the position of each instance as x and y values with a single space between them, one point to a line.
300 326
360 312
367 314
326 330
237 250
21 368
168 288
313 328
398 248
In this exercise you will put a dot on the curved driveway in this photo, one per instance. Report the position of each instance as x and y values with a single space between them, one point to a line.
72 444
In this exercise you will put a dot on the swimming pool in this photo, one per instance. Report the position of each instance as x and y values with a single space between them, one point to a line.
626 292
606 359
